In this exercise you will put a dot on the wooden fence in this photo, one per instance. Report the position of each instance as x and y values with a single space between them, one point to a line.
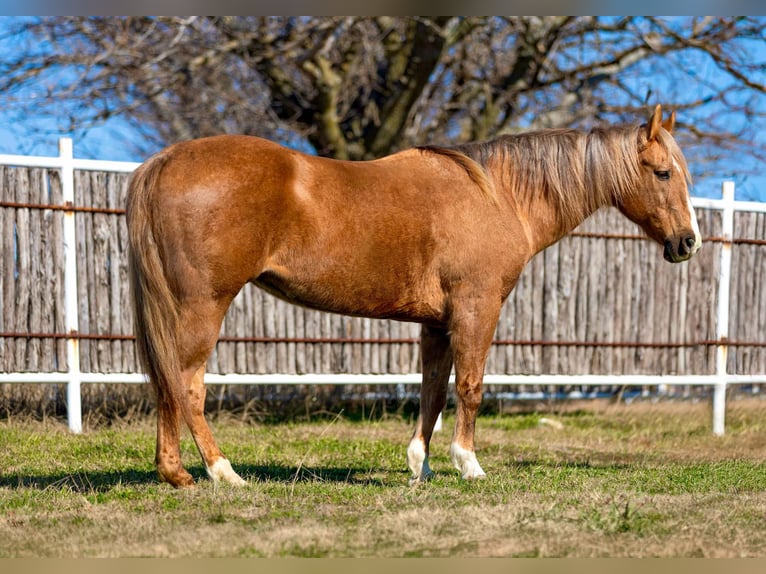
600 302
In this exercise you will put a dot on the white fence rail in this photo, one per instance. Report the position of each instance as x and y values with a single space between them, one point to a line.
73 378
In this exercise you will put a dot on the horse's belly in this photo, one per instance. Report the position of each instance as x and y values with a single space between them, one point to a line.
375 299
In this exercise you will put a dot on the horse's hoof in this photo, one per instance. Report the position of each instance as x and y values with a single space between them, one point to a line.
221 471
475 476
178 480
424 477
465 461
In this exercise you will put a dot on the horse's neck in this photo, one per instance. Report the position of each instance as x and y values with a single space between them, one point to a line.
546 222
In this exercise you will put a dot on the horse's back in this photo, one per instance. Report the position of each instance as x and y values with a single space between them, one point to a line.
227 161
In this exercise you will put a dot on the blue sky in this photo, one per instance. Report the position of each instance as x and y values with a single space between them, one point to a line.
117 138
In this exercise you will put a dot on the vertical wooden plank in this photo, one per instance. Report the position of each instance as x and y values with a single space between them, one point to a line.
113 269
270 330
238 328
308 333
407 354
281 331
56 198
325 330
715 271
618 249
520 358
582 304
743 291
85 280
395 350
9 263
414 348
339 362
310 327
563 300
760 280
47 276
356 365
257 330
345 325
37 293
538 310
637 308
290 332
646 309
300 348
221 362
597 304
129 356
248 295
94 183
761 268
549 330
239 349
10 271
495 360
375 366
386 350
607 310
366 329
23 247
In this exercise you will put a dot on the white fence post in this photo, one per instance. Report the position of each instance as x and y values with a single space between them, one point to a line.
74 402
722 320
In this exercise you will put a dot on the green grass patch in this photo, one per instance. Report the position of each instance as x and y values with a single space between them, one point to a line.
638 480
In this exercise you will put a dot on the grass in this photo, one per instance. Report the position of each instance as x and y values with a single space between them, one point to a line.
639 480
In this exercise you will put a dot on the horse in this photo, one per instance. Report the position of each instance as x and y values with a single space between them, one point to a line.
433 235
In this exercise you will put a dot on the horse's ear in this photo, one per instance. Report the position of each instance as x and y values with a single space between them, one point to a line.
654 125
670 122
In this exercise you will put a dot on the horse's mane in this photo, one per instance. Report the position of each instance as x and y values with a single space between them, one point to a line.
576 170
476 171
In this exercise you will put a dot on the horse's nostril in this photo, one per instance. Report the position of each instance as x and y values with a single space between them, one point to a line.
668 251
690 242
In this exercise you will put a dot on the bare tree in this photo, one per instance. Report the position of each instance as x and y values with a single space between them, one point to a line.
362 87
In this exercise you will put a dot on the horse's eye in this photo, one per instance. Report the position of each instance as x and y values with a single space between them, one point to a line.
661 174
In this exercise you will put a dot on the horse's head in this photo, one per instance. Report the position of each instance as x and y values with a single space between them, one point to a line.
661 203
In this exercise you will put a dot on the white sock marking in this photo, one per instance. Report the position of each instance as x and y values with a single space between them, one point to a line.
221 471
417 460
465 461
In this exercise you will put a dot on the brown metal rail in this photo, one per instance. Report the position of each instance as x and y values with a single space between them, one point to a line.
401 341
63 207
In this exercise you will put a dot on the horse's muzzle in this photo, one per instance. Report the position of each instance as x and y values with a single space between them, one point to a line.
681 249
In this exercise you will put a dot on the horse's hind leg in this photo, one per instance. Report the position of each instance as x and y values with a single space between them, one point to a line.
168 457
217 466
198 332
436 361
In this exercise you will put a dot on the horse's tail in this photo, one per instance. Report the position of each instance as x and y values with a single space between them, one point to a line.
155 307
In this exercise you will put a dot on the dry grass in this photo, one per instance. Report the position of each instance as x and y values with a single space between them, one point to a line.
639 480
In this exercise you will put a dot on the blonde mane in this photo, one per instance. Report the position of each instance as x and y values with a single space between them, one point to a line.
475 171
576 170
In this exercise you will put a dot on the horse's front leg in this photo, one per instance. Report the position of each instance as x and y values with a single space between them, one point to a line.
473 323
436 363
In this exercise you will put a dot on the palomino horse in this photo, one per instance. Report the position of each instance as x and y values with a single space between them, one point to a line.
433 235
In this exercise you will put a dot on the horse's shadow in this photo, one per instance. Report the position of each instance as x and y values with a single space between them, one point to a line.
87 481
